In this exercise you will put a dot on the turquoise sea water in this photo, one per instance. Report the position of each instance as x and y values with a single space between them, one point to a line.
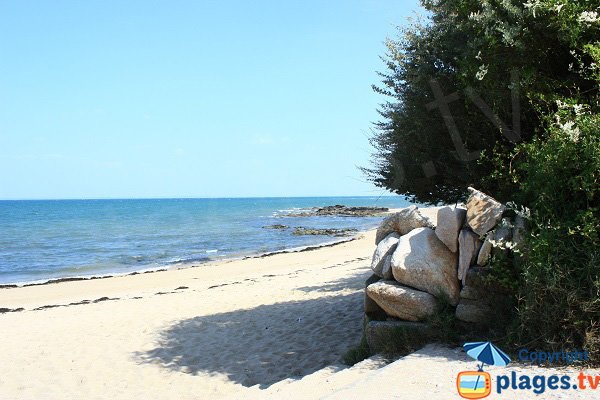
48 239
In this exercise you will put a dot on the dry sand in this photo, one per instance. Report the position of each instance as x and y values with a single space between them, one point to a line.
209 332
195 333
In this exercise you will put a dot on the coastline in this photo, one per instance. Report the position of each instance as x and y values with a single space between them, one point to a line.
179 265
326 242
51 241
186 333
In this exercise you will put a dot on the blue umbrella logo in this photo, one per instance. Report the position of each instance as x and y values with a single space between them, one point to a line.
487 353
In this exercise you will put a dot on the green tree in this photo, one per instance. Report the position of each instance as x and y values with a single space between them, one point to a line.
470 48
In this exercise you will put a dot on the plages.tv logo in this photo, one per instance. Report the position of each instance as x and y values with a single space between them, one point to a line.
478 384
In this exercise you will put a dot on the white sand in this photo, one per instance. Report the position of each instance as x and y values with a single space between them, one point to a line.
196 333
210 332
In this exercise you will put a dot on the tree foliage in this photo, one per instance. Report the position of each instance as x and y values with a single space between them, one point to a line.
559 289
501 52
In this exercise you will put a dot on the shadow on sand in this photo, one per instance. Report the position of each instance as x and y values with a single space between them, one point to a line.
268 343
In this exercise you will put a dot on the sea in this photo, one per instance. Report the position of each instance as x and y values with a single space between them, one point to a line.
42 240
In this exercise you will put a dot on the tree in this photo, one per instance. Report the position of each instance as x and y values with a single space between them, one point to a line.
502 62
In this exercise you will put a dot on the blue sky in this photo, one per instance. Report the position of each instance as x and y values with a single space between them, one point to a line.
120 99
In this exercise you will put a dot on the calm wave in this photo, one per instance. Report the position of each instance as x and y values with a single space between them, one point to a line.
41 240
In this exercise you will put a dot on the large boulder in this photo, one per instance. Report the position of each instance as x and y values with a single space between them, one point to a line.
477 277
385 248
401 222
372 279
468 249
474 311
422 261
484 252
431 213
401 301
472 293
371 308
483 212
386 270
449 222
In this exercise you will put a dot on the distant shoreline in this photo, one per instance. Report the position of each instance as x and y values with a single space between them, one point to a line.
177 266
51 241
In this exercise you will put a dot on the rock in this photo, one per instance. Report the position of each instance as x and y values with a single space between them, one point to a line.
372 279
468 248
476 277
371 308
383 336
385 248
484 252
401 301
483 212
471 293
401 222
340 210
474 311
276 226
449 222
422 261
387 268
431 213
300 231
518 230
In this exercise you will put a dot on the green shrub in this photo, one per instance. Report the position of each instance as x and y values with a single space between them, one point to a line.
559 293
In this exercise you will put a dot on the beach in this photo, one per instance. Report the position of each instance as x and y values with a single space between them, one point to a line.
192 333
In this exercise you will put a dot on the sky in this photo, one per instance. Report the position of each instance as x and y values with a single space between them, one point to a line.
145 99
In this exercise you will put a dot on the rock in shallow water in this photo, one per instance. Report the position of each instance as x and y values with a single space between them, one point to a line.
422 261
276 226
301 231
341 210
401 301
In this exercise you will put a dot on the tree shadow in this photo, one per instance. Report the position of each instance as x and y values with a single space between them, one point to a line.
355 281
265 344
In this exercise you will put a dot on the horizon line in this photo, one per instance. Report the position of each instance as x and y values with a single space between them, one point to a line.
197 198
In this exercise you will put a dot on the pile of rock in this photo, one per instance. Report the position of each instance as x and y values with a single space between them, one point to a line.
420 261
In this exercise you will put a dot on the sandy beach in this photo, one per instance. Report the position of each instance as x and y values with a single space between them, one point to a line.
193 333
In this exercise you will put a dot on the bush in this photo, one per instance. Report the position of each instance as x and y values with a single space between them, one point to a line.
559 295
